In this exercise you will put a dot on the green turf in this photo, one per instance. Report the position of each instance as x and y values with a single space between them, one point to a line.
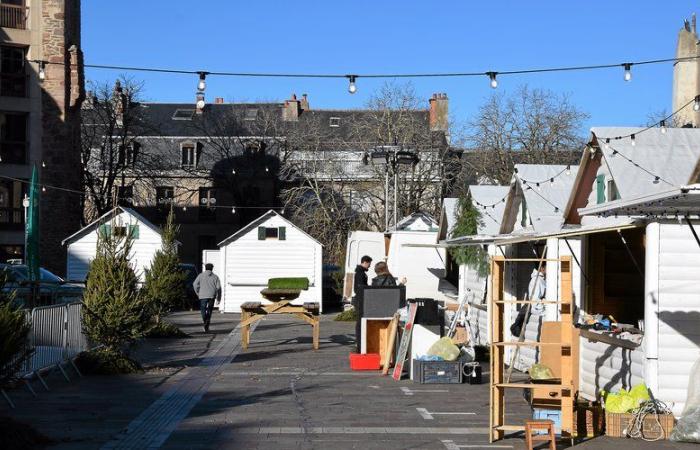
288 283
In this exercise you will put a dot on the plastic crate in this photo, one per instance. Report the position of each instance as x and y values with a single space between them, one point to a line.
437 372
548 414
365 361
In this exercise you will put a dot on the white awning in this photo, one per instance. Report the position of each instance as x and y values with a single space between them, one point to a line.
684 200
568 232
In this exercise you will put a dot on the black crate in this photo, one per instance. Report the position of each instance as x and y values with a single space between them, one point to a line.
437 372
471 373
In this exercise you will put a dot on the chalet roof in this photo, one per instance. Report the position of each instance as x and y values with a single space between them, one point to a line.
105 218
491 218
406 224
546 202
672 156
255 223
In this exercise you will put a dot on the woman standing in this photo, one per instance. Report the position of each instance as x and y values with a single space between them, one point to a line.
384 277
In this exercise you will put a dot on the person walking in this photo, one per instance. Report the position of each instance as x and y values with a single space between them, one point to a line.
359 284
208 289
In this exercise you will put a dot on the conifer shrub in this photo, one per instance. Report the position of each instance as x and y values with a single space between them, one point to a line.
14 334
468 220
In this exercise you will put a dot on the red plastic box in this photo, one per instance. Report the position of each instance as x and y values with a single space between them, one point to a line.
365 361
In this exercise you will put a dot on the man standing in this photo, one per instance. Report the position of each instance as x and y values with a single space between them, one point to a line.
359 283
208 288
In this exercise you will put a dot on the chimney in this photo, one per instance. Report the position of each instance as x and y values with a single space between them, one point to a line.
439 112
304 102
199 103
686 75
291 109
219 101
119 100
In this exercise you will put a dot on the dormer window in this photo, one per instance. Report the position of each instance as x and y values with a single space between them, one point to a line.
251 114
613 194
334 122
183 114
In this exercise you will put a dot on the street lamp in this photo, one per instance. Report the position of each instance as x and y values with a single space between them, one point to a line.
392 157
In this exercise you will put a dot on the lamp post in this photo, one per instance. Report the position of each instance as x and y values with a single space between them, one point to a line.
392 156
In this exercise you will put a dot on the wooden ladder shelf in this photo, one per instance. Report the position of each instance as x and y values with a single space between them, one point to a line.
498 426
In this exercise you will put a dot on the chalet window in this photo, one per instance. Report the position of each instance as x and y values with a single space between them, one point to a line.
279 233
612 191
118 231
334 122
600 189
13 79
125 195
188 158
13 138
165 195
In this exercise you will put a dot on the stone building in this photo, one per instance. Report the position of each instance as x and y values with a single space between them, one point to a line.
41 88
686 75
244 154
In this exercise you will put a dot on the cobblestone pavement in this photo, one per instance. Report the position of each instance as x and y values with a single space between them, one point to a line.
203 392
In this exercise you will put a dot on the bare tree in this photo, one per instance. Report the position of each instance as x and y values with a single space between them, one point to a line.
532 126
112 158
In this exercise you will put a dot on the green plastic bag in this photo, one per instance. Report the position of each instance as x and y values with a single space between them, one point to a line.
640 393
445 349
540 372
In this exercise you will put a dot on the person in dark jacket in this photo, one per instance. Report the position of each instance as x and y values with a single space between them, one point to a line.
359 283
208 289
384 277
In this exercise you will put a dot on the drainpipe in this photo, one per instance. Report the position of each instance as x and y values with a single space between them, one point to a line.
651 306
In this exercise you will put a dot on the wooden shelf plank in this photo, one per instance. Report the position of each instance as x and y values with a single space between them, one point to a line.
531 386
527 302
529 344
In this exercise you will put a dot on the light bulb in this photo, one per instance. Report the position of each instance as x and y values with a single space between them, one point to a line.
492 77
634 142
662 124
266 169
233 171
43 164
568 170
556 210
539 188
696 104
42 71
551 181
352 88
233 210
184 208
657 179
628 71
202 85
607 143
200 104
43 189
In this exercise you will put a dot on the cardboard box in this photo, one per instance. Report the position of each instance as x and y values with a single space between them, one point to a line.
550 356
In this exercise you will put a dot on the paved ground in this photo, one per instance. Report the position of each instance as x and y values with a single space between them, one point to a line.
201 393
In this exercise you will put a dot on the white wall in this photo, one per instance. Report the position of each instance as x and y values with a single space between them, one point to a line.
249 263
605 366
422 266
678 311
81 252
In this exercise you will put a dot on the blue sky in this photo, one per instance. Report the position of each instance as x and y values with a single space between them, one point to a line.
393 36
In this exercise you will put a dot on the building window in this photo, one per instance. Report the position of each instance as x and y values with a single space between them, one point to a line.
11 209
13 78
334 122
612 191
251 114
207 203
13 14
13 138
125 195
600 189
188 159
165 196
183 114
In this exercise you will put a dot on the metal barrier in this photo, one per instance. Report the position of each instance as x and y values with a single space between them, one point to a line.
56 337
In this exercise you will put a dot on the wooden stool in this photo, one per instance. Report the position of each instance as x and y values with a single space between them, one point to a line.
547 425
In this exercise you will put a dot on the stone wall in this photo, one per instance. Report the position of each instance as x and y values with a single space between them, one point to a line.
62 94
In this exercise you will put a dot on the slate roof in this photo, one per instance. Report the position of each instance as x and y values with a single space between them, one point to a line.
491 218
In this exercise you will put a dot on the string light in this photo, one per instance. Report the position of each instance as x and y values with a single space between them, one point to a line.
266 169
657 179
184 208
42 70
43 189
568 170
233 171
202 84
628 71
696 103
233 210
633 140
538 186
43 164
492 77
662 124
352 88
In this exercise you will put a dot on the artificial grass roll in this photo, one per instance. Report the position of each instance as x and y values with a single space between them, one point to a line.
288 283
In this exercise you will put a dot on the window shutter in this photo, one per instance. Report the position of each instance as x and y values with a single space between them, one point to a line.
600 189
104 231
134 231
523 213
282 233
261 233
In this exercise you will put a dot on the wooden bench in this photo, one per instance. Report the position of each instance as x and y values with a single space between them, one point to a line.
252 312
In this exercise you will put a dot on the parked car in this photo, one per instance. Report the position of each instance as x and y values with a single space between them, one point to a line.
53 290
191 272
